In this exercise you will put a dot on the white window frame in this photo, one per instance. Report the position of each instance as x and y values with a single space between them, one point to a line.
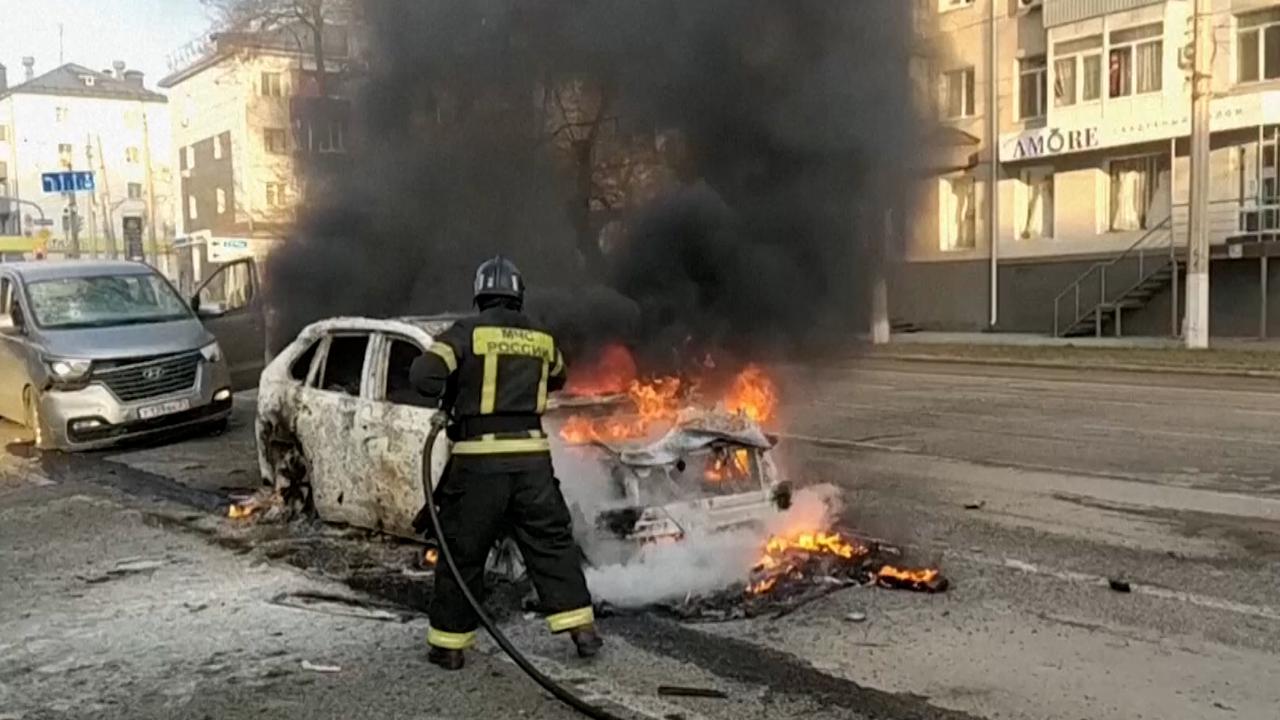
1042 87
272 84
128 191
193 209
217 147
950 236
1133 46
1078 51
277 195
220 196
967 76
1144 224
1025 195
1256 23
190 152
132 155
949 5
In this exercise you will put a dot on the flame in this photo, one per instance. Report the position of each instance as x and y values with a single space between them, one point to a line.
431 556
784 555
729 466
613 371
753 394
911 576
656 401
239 512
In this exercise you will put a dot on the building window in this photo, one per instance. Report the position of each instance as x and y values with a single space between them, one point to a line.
1033 84
1136 60
217 147
1077 71
1035 206
222 200
331 138
131 155
957 93
64 155
959 215
276 195
4 133
945 5
60 114
135 191
1258 46
272 85
189 157
191 207
1136 186
275 141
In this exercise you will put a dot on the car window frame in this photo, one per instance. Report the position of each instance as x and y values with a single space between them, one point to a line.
383 360
321 362
223 272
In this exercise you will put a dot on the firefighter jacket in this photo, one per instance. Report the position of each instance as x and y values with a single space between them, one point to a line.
492 372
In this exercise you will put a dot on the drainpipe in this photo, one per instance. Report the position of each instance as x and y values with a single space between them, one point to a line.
993 144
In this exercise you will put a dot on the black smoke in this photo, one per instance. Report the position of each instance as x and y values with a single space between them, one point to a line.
797 132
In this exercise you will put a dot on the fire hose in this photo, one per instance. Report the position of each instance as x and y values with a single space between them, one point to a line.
557 690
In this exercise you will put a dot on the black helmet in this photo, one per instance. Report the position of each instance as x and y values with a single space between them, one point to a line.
498 278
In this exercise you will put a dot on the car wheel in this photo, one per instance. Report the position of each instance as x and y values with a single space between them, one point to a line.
217 427
31 418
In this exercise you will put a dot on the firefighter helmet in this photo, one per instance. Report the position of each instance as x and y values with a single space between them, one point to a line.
498 278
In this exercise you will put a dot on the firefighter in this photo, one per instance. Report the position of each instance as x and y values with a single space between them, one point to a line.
492 372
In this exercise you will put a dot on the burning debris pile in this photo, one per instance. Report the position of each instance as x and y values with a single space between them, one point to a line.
801 567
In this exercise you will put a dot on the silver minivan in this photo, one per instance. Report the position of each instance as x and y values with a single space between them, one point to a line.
94 352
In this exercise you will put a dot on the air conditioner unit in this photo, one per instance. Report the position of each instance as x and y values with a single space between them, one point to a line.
1029 5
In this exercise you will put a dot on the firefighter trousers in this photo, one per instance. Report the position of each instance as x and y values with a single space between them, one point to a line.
482 498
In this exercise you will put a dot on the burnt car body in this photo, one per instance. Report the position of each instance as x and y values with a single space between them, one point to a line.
340 430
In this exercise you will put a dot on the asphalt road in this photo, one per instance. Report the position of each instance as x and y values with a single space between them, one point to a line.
1033 488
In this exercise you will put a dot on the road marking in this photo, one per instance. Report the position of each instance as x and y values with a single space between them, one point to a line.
1205 601
836 442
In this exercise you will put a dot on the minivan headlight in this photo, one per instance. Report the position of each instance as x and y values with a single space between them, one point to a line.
69 370
212 352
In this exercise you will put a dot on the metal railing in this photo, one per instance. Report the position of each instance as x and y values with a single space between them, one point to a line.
1103 276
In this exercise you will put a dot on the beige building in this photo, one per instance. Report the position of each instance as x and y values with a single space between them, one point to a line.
249 126
106 122
1093 106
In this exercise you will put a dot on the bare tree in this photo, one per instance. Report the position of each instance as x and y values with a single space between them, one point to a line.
313 16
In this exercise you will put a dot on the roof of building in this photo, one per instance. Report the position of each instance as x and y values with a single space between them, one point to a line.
285 41
70 80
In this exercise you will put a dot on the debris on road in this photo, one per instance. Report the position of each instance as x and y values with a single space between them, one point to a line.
340 606
928 580
308 665
124 568
975 505
1120 586
855 617
678 691
265 503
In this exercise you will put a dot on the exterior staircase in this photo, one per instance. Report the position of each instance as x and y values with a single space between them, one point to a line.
1095 302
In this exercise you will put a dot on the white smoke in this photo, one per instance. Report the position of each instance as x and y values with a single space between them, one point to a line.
707 563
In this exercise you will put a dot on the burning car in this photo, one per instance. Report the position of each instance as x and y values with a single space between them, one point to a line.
340 431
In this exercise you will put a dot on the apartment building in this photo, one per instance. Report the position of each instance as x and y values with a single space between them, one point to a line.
250 128
1093 168
105 122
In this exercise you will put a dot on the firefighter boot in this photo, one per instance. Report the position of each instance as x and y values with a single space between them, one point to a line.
587 639
446 658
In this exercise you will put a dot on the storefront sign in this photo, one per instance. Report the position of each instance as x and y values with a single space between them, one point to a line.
1228 113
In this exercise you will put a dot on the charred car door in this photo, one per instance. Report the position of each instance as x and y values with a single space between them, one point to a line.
231 306
325 421
390 433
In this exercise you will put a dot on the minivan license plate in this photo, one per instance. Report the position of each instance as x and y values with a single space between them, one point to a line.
169 408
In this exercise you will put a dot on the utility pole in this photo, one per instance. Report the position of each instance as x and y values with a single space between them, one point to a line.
93 202
109 220
151 189
993 146
1198 232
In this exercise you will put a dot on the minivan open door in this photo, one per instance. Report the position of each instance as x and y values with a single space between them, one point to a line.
230 304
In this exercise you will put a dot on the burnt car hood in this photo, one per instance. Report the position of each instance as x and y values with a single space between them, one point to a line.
126 341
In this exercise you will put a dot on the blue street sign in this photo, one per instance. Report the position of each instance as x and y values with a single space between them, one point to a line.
67 181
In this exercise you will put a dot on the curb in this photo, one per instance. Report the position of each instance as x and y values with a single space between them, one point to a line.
1218 371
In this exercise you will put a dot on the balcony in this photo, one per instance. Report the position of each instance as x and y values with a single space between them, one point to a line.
1061 12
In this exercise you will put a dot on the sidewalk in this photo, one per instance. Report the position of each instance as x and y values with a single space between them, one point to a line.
1227 356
